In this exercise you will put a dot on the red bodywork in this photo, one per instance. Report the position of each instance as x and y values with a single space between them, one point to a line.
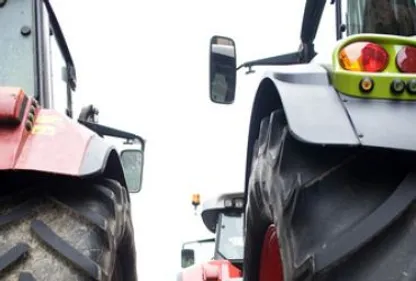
214 270
32 138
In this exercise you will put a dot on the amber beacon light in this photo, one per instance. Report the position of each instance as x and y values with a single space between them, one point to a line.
196 199
363 56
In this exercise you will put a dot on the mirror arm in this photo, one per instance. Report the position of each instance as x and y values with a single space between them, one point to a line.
198 241
286 59
111 132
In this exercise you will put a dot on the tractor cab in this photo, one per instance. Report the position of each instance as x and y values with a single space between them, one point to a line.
222 216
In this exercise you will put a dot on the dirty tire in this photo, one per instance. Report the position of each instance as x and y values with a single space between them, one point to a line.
65 230
342 213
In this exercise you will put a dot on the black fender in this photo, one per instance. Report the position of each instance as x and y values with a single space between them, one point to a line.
316 113
102 159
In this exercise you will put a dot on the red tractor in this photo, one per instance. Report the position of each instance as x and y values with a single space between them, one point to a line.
223 216
330 172
65 204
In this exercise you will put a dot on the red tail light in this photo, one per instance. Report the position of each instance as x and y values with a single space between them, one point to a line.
374 58
364 56
406 60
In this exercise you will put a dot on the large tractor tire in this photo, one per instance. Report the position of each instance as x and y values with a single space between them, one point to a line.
328 213
65 230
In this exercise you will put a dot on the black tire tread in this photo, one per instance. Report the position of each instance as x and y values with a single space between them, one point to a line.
317 197
26 276
68 230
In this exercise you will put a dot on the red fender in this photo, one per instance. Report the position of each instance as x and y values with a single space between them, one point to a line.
214 270
36 139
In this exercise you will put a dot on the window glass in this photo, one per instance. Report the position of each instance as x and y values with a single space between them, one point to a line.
231 241
57 68
16 56
203 251
397 17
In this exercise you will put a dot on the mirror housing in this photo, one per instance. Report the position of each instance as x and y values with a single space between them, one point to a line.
187 257
222 70
132 161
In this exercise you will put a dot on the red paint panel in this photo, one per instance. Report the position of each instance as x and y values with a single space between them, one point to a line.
11 102
214 270
271 267
193 273
37 139
56 144
12 138
226 269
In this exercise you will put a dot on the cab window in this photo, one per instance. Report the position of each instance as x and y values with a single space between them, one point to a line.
56 67
396 17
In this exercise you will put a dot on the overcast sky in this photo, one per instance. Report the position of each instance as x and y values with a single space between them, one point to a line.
144 64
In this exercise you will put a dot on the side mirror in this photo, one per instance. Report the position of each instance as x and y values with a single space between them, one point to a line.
133 162
222 70
187 257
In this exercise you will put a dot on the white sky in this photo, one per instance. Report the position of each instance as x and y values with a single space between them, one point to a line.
145 66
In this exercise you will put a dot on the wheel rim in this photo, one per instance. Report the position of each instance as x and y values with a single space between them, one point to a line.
270 261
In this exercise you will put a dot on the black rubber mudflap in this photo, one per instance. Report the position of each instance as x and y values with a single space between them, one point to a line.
342 214
67 229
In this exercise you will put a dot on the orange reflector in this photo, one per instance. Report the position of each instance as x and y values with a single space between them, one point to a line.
347 63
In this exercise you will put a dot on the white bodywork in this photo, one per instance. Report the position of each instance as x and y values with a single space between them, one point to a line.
211 208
